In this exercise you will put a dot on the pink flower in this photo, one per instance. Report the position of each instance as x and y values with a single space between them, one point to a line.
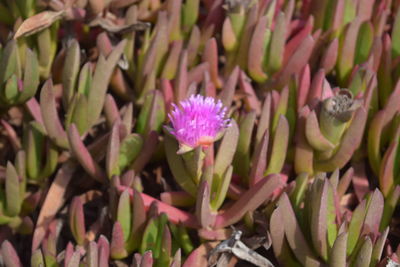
198 121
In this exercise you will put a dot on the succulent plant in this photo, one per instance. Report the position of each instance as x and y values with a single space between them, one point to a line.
196 133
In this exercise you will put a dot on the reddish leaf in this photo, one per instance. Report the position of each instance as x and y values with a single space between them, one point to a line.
249 201
53 201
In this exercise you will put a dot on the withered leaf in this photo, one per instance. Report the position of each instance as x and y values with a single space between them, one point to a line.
38 22
115 28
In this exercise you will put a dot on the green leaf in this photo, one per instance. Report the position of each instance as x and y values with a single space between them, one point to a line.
129 150
396 36
124 214
177 166
241 161
364 42
337 257
31 76
13 197
355 226
279 147
70 72
9 62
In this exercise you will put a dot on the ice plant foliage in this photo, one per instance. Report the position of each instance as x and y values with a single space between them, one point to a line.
198 121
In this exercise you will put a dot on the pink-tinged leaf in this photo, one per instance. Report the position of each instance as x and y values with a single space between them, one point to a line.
117 242
210 55
111 111
344 183
337 256
257 50
101 78
168 94
77 220
69 250
92 255
38 22
193 45
138 222
53 201
314 136
350 142
12 135
386 173
218 234
74 260
265 119
296 41
298 60
375 55
198 73
177 198
199 256
228 90
338 15
347 50
315 93
277 233
303 87
203 209
147 259
330 55
177 260
249 201
215 15
174 215
259 160
392 104
10 256
360 180
365 9
279 147
373 215
304 155
34 109
251 100
83 156
293 234
181 80
51 120
104 251
158 46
